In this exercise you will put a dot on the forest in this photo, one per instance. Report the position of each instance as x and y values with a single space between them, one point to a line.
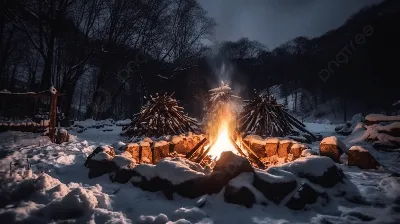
108 57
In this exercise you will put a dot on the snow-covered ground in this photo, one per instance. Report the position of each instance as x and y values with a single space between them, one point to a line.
57 188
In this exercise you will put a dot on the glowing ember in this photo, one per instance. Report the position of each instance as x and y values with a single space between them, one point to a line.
222 143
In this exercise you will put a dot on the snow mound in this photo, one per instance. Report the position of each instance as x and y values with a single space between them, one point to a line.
123 161
175 170
314 165
123 122
274 175
118 145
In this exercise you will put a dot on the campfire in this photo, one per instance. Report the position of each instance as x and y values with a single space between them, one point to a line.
220 123
222 143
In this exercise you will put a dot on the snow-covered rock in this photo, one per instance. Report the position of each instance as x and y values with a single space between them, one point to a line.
376 118
307 195
319 170
360 157
332 147
118 146
297 149
275 184
241 191
100 161
308 152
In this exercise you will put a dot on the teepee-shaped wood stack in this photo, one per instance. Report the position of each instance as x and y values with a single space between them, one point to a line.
221 106
161 116
265 117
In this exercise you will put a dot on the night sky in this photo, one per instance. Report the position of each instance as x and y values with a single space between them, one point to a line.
273 22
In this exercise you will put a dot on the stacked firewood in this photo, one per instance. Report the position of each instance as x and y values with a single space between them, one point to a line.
161 116
265 117
221 106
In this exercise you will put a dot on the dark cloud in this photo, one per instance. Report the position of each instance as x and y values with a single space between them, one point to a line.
273 22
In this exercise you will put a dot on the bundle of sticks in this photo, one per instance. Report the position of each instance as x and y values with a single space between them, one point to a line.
161 116
265 117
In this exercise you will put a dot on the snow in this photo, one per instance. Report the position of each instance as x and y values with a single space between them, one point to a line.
62 131
61 183
118 145
175 170
307 152
123 161
53 90
273 175
344 158
313 165
144 144
381 117
123 122
255 139
102 156
272 140
358 148
161 143
246 180
176 139
298 146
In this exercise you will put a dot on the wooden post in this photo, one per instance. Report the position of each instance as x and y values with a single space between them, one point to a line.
53 117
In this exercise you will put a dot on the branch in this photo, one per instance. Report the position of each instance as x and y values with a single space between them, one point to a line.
83 61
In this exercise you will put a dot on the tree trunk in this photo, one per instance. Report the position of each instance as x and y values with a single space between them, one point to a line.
47 74
69 90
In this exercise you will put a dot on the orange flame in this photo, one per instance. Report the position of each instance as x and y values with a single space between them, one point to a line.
222 143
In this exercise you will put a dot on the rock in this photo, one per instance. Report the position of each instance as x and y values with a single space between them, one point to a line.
99 168
344 158
232 164
123 175
240 196
344 129
240 190
62 136
145 152
332 147
155 184
297 149
284 148
305 195
100 161
161 150
274 184
319 170
360 157
271 146
106 153
134 150
227 167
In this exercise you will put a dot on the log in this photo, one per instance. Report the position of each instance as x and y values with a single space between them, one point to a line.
196 147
